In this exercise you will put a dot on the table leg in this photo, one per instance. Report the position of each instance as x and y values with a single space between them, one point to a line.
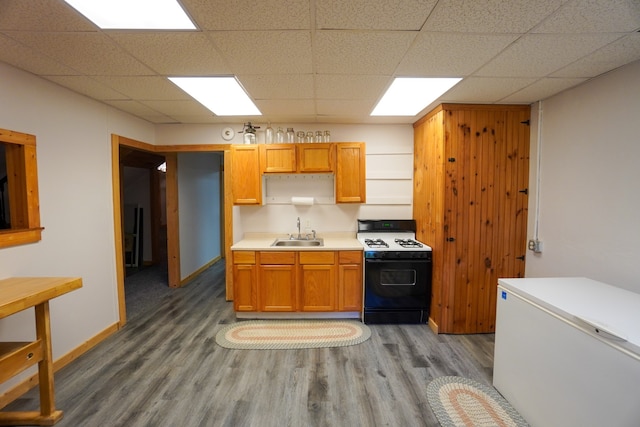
45 366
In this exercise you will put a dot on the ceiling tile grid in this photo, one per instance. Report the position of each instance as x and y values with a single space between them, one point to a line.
329 61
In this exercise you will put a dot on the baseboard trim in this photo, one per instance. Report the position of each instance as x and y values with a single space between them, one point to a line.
187 279
28 383
433 326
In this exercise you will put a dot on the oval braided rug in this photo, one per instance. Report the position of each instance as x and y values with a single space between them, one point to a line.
292 334
462 402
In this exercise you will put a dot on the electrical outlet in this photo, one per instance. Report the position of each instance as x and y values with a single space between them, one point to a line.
307 224
535 246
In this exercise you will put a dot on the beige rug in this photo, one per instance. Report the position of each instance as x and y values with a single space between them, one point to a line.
292 334
462 402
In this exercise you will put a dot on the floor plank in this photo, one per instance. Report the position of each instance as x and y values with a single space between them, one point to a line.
165 369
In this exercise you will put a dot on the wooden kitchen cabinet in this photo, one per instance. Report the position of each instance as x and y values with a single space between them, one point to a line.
316 158
350 173
471 170
246 180
297 158
317 281
297 281
350 283
245 292
277 278
277 158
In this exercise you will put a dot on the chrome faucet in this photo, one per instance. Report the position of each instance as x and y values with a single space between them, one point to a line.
299 235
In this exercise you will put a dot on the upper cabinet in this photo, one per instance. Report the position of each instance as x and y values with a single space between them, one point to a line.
345 159
246 183
350 173
297 158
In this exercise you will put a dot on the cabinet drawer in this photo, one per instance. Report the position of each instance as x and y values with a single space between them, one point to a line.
287 258
317 258
244 257
350 257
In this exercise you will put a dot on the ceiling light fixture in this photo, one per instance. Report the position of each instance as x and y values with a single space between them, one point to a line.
407 96
222 95
135 14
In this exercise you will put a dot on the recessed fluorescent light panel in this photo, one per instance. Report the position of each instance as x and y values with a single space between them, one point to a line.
222 95
407 96
134 14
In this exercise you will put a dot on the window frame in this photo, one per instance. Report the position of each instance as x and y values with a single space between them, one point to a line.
22 183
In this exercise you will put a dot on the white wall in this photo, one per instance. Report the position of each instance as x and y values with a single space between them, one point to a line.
73 135
389 151
199 207
589 203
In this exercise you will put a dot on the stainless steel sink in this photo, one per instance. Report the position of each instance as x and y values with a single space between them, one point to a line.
298 242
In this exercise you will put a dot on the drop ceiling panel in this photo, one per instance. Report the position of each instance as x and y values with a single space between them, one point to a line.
354 52
367 15
87 53
542 54
174 108
541 89
488 16
135 108
451 54
333 86
87 86
174 53
278 86
485 89
593 16
279 107
144 88
614 55
249 14
265 52
339 107
21 15
29 59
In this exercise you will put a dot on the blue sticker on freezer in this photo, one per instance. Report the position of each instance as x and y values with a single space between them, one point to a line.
504 295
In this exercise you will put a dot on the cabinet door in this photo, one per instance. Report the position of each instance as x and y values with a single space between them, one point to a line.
316 157
350 285
277 277
350 173
317 287
244 281
244 287
317 281
278 158
246 182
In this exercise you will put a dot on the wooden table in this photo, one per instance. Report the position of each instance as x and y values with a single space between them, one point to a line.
21 293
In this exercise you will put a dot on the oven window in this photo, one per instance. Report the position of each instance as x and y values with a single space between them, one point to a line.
398 277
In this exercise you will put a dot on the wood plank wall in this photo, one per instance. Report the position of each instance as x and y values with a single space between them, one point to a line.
471 166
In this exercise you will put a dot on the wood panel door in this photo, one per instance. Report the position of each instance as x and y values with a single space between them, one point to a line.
480 197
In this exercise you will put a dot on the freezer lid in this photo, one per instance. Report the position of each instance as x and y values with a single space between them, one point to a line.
607 311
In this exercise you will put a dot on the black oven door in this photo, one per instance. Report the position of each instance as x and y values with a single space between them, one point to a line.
397 284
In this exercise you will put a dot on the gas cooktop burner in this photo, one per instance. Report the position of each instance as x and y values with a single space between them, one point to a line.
376 243
408 243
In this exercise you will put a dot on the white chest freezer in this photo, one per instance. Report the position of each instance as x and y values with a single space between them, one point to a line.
567 352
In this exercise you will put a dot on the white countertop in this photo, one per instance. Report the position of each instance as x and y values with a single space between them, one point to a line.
337 241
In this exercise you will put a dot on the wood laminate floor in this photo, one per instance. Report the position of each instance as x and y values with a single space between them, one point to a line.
165 369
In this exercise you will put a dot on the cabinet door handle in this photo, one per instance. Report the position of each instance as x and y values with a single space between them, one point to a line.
451 239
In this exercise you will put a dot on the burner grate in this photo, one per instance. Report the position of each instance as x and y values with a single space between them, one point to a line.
376 243
408 243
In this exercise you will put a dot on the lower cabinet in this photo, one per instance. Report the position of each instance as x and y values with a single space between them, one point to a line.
317 281
277 281
302 281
